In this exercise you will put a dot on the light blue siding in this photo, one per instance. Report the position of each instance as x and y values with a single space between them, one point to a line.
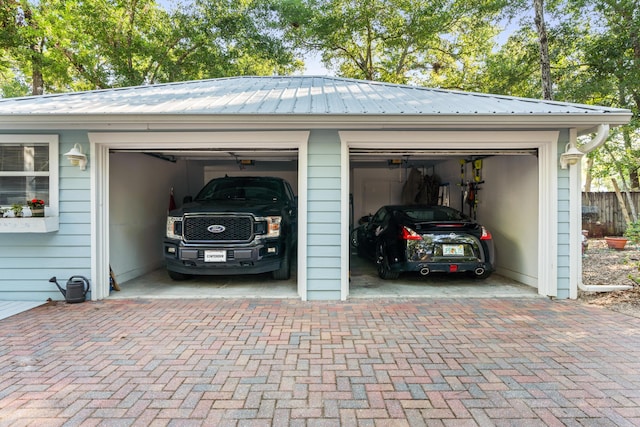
564 216
313 295
28 260
323 235
324 183
324 217
325 262
324 206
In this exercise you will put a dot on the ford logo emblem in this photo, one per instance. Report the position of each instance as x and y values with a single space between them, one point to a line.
216 228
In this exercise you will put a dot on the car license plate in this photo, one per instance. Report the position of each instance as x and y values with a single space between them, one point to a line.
453 250
215 256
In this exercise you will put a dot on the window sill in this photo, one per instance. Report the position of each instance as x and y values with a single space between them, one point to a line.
45 224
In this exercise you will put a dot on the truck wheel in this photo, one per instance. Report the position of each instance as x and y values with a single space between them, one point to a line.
178 276
284 272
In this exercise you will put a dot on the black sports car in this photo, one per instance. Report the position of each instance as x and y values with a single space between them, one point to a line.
426 239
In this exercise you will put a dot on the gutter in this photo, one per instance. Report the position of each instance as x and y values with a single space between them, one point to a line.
572 156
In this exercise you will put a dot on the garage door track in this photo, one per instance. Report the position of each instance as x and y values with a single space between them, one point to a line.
365 362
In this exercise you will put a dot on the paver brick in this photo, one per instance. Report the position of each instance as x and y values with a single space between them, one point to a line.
252 362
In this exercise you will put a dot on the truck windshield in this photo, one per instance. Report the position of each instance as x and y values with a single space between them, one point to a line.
241 189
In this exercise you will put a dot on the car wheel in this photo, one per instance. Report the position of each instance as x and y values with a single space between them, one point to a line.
284 272
384 271
353 238
178 276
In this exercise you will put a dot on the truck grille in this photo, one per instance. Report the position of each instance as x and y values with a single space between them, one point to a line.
236 228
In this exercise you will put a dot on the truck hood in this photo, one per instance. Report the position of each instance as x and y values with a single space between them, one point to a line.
230 206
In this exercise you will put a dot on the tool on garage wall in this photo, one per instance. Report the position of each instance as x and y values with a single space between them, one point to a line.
470 187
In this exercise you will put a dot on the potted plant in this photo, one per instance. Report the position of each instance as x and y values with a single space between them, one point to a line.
36 206
16 208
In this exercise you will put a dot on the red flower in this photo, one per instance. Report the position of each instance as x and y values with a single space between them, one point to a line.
35 203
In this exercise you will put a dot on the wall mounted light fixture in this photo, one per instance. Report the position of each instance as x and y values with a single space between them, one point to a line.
571 156
77 157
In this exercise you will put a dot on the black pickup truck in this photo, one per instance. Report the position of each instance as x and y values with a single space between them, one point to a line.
235 225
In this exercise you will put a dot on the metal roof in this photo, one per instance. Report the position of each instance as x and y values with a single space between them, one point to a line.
293 95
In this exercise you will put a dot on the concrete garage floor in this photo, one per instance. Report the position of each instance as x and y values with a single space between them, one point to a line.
365 283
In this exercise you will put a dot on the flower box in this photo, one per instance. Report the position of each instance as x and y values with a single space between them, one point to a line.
45 224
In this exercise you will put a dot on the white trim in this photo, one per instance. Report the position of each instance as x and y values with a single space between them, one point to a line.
101 143
575 222
99 167
544 141
302 215
345 257
170 122
548 217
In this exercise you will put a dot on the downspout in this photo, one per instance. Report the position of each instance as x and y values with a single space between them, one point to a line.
572 156
598 140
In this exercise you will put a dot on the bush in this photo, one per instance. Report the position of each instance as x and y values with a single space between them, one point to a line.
633 232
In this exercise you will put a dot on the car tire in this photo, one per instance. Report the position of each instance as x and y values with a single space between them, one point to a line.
284 272
353 238
178 276
384 271
483 276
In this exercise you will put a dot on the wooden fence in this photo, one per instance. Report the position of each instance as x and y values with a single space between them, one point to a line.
602 214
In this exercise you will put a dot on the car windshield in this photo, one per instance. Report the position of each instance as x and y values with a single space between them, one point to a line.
435 213
241 189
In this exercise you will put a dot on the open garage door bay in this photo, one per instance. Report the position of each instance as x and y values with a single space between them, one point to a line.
172 169
504 175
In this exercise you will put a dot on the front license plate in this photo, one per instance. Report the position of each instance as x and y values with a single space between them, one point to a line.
215 256
453 250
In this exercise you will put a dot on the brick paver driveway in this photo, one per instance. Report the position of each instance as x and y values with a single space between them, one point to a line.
232 362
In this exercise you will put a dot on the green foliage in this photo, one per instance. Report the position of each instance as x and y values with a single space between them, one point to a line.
422 42
633 232
114 43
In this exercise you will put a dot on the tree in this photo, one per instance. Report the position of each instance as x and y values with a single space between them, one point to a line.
131 42
400 41
543 41
613 55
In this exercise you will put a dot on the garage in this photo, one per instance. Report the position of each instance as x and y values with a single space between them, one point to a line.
376 178
347 145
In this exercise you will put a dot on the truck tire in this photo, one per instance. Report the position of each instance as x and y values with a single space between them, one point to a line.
178 276
284 272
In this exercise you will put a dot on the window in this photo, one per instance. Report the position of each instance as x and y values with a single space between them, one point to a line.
29 170
25 176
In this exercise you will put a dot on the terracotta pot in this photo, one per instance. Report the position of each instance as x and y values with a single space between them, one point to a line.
617 243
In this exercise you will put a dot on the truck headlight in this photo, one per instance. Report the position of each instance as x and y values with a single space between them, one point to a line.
174 227
273 226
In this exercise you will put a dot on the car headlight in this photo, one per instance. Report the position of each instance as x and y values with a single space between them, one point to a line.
174 227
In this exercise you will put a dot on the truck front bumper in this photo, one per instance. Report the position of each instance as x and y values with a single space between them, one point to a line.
222 260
